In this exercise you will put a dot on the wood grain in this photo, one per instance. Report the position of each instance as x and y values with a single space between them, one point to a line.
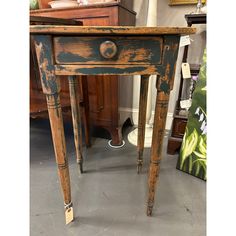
142 119
81 50
164 85
107 30
85 109
105 69
76 120
58 137
51 87
162 100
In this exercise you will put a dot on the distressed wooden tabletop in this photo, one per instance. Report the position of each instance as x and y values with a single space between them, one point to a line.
114 30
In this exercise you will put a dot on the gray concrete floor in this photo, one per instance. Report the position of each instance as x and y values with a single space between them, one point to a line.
110 198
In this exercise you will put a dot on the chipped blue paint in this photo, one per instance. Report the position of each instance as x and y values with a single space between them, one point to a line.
110 70
123 44
167 69
108 52
165 87
48 79
70 57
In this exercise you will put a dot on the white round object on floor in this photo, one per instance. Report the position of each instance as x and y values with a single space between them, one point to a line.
120 146
133 136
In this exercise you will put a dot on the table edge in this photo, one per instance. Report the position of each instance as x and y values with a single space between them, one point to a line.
111 30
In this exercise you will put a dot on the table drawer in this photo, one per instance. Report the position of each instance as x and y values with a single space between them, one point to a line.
108 50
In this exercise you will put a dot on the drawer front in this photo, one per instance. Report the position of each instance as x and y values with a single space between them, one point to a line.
108 50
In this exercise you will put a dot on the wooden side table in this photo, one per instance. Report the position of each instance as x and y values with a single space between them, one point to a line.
180 116
71 51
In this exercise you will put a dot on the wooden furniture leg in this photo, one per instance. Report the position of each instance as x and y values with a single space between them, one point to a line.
142 119
157 140
116 136
85 106
51 88
58 137
76 119
164 85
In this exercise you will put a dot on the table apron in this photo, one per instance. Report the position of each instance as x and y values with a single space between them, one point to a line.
106 69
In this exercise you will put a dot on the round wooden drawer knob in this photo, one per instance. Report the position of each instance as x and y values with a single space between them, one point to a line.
108 49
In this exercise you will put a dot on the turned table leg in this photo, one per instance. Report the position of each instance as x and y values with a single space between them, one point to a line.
84 84
142 119
58 136
164 85
162 100
76 119
51 88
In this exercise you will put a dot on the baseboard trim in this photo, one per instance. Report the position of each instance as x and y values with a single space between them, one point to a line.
133 113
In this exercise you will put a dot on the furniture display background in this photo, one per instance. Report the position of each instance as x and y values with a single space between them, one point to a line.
192 158
181 115
131 51
103 91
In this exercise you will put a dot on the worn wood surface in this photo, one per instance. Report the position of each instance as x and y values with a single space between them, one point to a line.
108 49
142 119
156 149
85 109
58 137
106 69
76 119
51 87
38 106
108 30
164 85
103 91
81 50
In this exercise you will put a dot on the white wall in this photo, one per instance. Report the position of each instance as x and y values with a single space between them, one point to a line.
166 16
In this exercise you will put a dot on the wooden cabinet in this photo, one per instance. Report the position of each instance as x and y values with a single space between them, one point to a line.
102 90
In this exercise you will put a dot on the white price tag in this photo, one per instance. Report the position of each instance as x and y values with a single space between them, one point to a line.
184 40
69 215
186 71
185 104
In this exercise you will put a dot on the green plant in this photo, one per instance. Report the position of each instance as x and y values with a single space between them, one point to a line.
34 4
188 146
193 153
